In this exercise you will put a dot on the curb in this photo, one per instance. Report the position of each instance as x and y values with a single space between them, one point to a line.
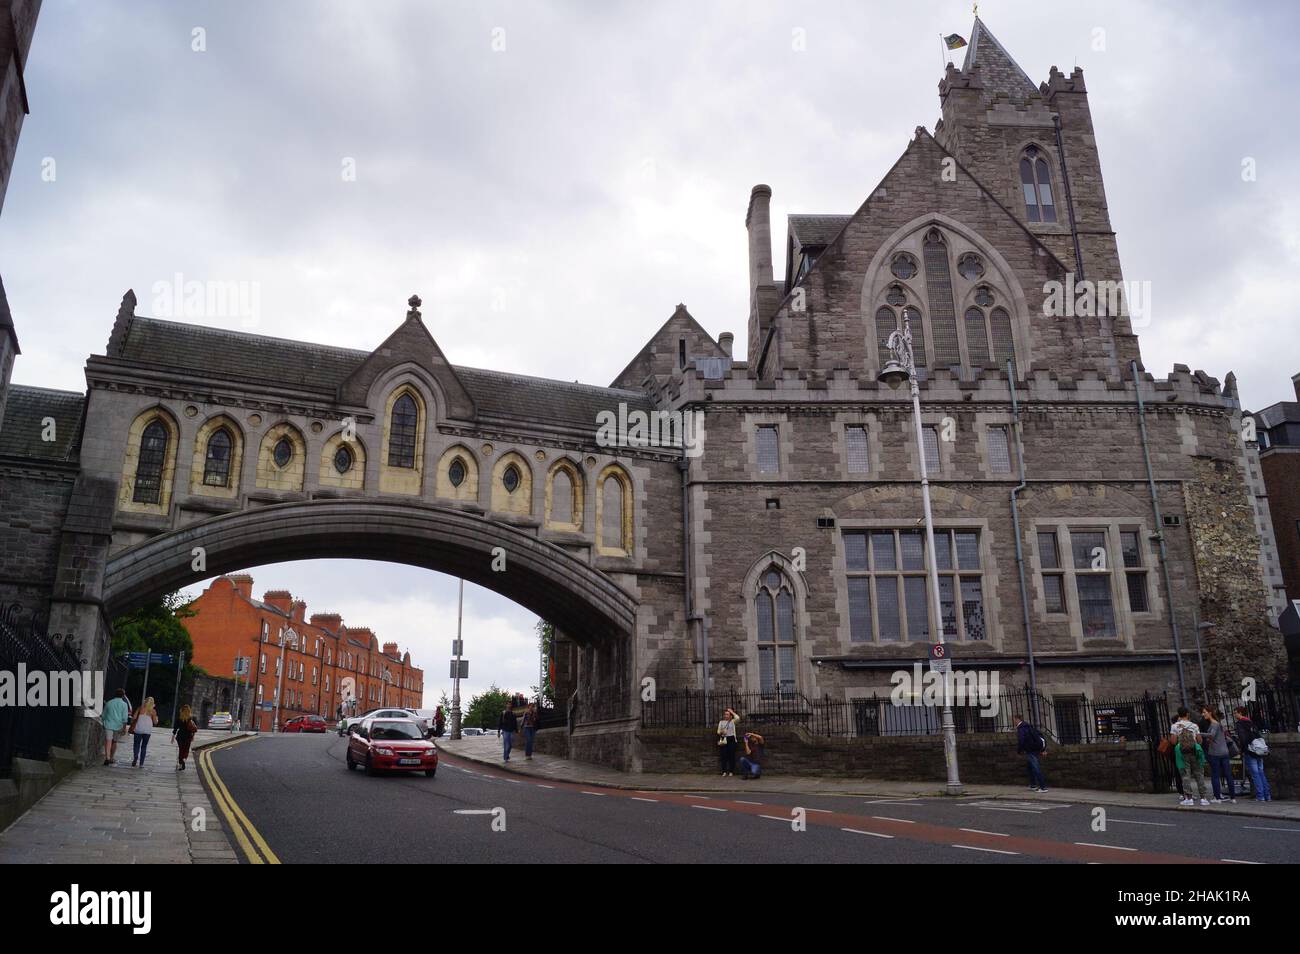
936 792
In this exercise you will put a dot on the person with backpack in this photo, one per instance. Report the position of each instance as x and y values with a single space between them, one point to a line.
506 728
1253 749
1189 757
1219 745
1031 744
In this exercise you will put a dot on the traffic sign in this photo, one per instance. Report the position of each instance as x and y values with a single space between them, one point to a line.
464 669
458 647
940 660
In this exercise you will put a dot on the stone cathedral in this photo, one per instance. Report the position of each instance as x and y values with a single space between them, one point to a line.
1092 521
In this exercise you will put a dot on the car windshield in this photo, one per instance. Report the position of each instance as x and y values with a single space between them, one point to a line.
395 730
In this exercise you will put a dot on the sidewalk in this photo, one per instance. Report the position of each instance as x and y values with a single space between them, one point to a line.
486 750
116 814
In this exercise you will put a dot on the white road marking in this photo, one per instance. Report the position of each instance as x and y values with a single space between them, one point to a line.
1021 811
472 811
980 831
540 785
995 851
905 821
822 811
1126 821
1234 861
1093 844
859 831
636 798
601 794
688 795
784 821
1262 828
891 801
709 808
742 801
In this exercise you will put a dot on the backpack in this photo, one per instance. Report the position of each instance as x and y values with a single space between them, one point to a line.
1187 740
1258 746
1036 738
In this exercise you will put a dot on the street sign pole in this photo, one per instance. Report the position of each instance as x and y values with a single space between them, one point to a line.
176 696
148 657
455 682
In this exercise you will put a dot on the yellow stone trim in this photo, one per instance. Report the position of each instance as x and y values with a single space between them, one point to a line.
468 489
272 477
614 472
132 458
209 428
577 489
521 501
354 479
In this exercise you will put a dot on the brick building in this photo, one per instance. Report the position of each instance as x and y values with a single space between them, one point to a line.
1277 431
301 664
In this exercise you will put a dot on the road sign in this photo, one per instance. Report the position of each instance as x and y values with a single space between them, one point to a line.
241 665
940 661
458 647
464 669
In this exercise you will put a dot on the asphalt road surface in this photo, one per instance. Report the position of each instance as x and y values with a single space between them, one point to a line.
303 802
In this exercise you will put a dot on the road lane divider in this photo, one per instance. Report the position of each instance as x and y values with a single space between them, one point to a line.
249 839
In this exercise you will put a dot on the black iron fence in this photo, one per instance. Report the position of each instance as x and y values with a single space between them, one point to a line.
1065 720
28 731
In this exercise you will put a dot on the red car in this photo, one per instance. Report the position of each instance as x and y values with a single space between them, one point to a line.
307 723
396 745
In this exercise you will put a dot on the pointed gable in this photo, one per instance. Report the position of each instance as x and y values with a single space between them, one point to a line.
411 342
998 70
663 352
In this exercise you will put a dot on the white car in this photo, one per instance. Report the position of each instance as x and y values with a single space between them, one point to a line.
346 723
467 731
221 720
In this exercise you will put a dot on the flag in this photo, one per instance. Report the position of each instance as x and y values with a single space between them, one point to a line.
953 41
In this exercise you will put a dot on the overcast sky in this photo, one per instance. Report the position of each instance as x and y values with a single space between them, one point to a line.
554 178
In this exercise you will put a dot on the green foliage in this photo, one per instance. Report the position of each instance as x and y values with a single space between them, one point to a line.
485 709
545 637
156 627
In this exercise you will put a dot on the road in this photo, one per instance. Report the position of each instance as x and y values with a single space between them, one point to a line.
305 806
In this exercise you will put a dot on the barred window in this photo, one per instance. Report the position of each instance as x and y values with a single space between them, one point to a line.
888 587
777 647
930 436
1135 576
216 463
769 460
999 449
855 441
149 465
402 432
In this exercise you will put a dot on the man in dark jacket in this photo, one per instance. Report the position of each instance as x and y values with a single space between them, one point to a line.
1030 744
1253 764
506 728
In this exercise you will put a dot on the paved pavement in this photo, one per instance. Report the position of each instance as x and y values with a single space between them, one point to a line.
486 750
300 802
122 815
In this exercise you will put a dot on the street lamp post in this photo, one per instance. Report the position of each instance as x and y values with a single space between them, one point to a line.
899 368
455 682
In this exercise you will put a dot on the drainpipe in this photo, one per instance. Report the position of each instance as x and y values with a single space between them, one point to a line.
1069 201
688 587
1020 552
1160 534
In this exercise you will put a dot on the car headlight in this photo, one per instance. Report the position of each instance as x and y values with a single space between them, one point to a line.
383 750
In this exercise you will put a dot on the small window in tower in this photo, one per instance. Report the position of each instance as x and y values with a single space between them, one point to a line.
769 461
456 472
1036 181
510 479
999 450
343 459
681 352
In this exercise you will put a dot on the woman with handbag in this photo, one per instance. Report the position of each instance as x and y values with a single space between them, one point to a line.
1252 758
183 735
727 742
142 730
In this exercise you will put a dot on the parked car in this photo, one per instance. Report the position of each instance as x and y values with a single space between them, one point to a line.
348 722
221 720
468 731
307 723
396 745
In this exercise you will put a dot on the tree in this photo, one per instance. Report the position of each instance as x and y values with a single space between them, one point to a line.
156 627
485 709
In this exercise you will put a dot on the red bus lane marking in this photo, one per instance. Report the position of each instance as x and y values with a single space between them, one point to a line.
918 830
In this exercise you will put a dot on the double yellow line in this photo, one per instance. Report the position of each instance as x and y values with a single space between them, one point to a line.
247 836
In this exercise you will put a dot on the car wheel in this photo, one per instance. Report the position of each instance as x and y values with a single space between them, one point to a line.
370 768
431 772
352 766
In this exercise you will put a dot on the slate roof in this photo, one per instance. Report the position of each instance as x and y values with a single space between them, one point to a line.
6 319
1280 413
271 361
817 230
998 68
25 409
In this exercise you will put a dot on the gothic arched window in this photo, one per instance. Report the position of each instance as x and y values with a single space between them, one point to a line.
216 463
1036 180
149 466
456 472
402 432
777 647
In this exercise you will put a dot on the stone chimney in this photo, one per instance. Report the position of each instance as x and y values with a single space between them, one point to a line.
726 341
298 611
758 223
327 621
243 584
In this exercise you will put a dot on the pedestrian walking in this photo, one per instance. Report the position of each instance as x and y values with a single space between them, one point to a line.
1032 745
1218 749
1253 749
530 729
183 735
117 713
506 728
439 722
751 762
142 729
727 742
1189 757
